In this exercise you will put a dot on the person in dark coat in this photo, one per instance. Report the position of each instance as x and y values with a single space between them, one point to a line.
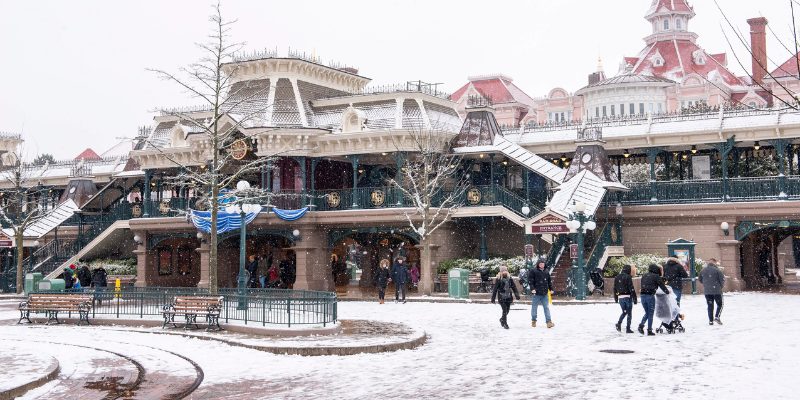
713 281
84 276
504 290
674 274
382 279
252 268
99 283
68 278
400 279
625 295
540 286
651 281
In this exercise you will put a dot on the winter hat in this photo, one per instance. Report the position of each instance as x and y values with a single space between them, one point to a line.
503 270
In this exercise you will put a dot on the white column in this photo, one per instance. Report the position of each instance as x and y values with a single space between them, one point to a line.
299 101
424 114
270 102
398 113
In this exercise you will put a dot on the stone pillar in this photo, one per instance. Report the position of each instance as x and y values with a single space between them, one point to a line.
730 263
142 259
354 161
313 266
205 255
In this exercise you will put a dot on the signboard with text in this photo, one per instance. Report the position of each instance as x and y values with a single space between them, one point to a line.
573 251
547 222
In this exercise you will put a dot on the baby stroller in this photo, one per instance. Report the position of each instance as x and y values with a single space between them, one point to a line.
668 312
484 285
523 280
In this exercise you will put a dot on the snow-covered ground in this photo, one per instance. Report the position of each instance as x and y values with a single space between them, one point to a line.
469 355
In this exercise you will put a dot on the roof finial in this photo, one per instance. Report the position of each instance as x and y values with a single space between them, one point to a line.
599 64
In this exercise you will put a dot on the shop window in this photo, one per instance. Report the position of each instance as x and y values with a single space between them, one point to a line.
164 260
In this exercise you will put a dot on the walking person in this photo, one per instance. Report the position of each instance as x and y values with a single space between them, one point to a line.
415 274
674 274
651 281
382 279
400 278
625 295
99 283
504 290
541 286
713 282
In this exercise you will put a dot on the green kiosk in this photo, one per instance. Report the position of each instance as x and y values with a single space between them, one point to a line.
683 250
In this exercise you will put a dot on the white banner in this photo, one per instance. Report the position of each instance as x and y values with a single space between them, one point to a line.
701 167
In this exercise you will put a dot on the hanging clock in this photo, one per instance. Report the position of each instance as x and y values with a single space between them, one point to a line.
586 158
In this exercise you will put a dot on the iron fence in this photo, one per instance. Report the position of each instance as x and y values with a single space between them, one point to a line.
255 306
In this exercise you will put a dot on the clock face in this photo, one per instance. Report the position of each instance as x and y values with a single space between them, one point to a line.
586 158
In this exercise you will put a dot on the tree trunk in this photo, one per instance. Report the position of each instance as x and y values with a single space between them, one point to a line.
213 283
426 272
20 252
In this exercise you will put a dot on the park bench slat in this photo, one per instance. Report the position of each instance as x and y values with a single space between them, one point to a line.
52 304
191 307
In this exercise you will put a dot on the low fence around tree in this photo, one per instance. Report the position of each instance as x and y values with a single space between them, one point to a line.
256 306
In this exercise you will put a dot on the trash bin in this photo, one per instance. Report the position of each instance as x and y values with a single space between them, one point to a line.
458 283
57 284
44 285
32 281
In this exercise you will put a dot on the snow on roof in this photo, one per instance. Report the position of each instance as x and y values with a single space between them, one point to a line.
498 88
676 59
788 69
585 187
88 154
681 6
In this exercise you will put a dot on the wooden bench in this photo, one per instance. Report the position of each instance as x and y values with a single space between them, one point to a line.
53 303
191 307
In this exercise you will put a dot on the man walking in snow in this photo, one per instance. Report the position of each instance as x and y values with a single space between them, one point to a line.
674 274
713 282
540 286
625 295
400 278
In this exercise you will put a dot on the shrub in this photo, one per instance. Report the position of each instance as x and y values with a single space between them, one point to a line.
125 266
474 265
641 261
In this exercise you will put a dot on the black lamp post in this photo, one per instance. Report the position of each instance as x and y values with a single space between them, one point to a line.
579 223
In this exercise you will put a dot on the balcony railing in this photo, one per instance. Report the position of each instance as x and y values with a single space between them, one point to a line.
712 190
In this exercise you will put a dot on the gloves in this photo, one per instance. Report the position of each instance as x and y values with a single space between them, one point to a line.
492 301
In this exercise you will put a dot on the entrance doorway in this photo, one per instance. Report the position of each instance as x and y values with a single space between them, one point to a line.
269 248
366 250
766 253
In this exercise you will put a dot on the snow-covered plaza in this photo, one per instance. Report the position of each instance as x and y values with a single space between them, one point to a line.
467 355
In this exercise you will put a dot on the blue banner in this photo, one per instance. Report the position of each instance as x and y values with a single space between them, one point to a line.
225 221
290 215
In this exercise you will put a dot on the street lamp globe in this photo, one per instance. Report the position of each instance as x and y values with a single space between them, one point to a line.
137 239
296 232
590 225
526 210
36 243
233 209
580 207
573 225
421 231
199 236
242 185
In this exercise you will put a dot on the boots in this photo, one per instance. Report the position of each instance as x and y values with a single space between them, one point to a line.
650 332
533 324
550 324
718 321
628 330
619 327
381 301
641 329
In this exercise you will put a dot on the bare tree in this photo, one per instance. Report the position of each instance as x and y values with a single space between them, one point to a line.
432 180
19 209
228 107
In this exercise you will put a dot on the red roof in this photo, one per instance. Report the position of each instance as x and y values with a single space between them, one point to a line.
88 154
679 62
787 69
498 89
671 5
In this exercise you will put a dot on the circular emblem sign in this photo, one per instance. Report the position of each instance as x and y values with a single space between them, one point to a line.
334 199
378 197
164 207
474 196
136 210
239 149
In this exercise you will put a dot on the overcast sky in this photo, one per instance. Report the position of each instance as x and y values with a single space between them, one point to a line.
73 72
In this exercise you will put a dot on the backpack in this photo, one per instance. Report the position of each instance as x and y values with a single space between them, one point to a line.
506 293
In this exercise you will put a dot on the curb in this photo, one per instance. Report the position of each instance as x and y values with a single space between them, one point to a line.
446 300
51 373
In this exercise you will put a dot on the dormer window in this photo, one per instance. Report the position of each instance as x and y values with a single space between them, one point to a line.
678 24
658 61
666 24
699 57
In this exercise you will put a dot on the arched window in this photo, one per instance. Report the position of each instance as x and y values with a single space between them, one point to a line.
666 24
678 24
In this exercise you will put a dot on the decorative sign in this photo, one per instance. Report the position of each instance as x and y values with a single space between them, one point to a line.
239 149
378 197
5 242
528 250
334 199
573 251
548 222
163 207
701 167
136 210
474 196
614 236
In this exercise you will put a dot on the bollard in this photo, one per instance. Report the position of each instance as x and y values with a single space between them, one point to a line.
117 288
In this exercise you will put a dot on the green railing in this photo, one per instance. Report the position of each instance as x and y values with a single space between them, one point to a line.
712 190
556 249
609 235
256 306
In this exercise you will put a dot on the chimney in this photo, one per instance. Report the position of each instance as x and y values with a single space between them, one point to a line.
758 46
